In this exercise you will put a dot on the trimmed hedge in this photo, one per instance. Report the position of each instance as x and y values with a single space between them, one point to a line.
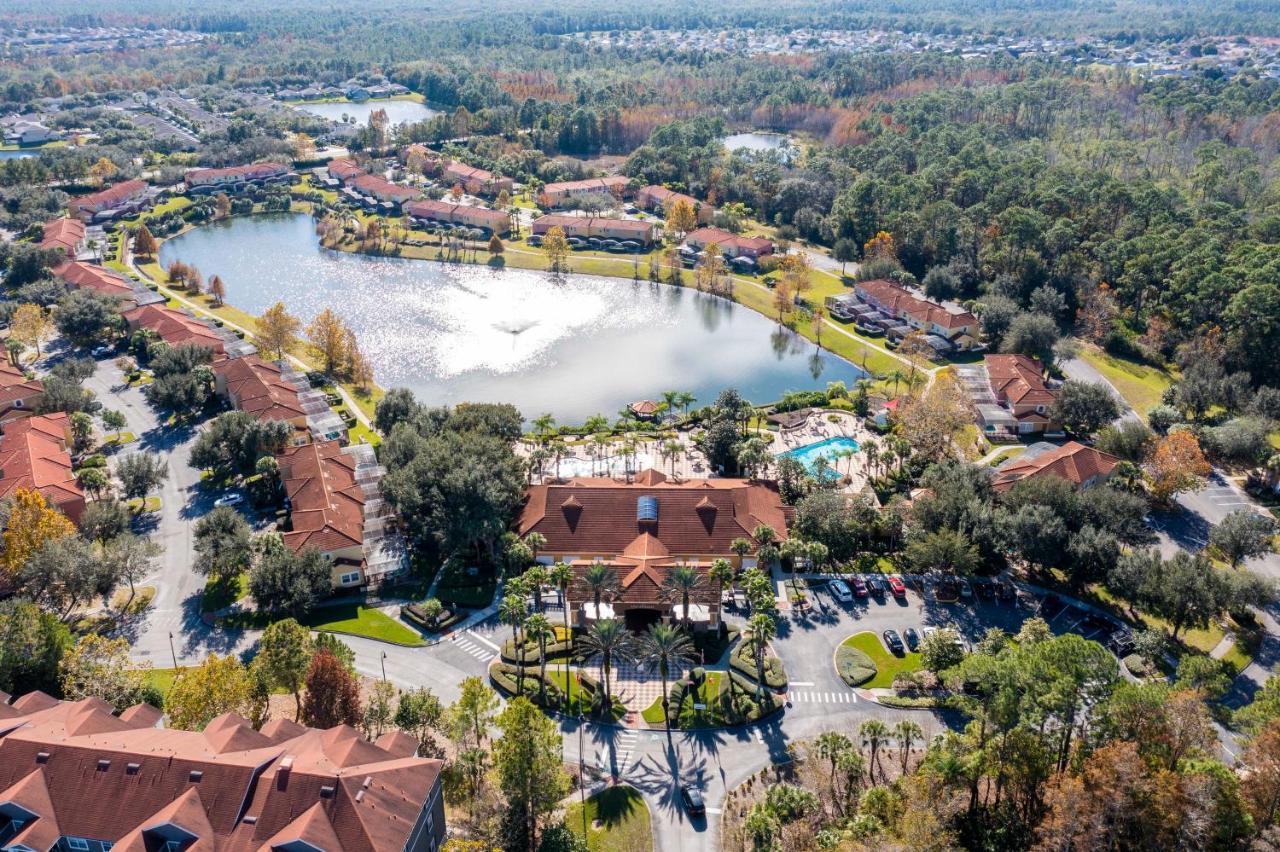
854 667
529 654
744 703
743 660
414 614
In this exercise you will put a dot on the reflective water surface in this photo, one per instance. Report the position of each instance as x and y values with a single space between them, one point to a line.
756 141
573 345
398 111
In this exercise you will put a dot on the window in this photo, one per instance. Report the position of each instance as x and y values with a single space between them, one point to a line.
78 843
353 577
17 403
106 845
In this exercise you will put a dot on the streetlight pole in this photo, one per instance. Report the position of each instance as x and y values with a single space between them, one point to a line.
582 778
384 666
172 652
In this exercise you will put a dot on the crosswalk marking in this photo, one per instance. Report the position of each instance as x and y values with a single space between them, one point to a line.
625 743
483 641
812 697
484 655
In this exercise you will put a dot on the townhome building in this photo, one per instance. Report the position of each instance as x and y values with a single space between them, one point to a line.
562 193
235 177
488 219
35 455
731 245
126 196
659 200
584 227
947 328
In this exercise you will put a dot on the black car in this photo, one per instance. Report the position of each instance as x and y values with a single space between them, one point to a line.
1121 642
692 799
893 641
912 637
878 585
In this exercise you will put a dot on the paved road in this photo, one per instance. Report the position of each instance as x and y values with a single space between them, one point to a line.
1082 371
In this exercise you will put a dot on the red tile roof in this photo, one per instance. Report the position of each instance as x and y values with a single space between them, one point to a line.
109 197
660 196
1018 379
585 224
494 220
65 234
88 276
610 184
344 168
1072 461
251 171
327 504
86 773
591 516
258 387
33 454
15 385
461 171
380 186
899 299
175 327
726 240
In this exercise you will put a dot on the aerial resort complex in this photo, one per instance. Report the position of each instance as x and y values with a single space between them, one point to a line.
602 428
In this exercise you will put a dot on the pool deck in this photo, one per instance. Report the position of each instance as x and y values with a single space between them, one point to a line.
821 426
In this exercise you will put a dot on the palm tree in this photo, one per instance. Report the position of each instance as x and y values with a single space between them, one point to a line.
561 576
754 455
538 629
669 650
601 580
685 399
897 376
681 581
764 535
760 629
535 541
599 441
596 423
558 449
721 572
543 427
609 640
906 733
536 578
513 611
874 735
670 451
741 547
829 746
671 399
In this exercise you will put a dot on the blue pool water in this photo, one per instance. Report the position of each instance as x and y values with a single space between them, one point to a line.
827 447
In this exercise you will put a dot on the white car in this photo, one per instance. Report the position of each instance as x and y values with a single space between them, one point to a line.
101 351
235 498
840 590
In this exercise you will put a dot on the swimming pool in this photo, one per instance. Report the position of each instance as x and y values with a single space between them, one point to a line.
828 448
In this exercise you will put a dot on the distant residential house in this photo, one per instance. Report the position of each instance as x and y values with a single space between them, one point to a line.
34 455
958 328
659 200
1080 465
19 393
89 276
23 132
730 244
1018 384
65 235
476 181
326 508
558 194
175 327
235 176
494 221
126 195
596 226
376 186
259 388
432 164
343 169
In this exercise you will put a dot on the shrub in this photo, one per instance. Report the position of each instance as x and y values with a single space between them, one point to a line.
854 667
743 659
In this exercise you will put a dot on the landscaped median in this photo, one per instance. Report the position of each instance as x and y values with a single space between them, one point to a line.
614 820
574 694
863 661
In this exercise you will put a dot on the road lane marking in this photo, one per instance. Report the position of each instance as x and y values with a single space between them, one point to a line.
482 640
800 683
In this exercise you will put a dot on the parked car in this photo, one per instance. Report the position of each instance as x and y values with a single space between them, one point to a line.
102 351
1121 642
898 587
893 641
912 637
860 587
1051 606
535 240
235 498
966 591
840 591
692 799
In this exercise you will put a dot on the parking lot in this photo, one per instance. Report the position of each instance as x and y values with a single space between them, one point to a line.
807 639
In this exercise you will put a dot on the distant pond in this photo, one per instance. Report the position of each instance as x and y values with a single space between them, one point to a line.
756 141
13 154
572 345
398 111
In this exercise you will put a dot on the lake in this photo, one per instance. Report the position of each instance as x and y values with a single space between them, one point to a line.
16 155
398 111
756 141
572 345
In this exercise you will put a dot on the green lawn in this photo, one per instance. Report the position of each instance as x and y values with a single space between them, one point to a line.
708 695
888 666
218 595
359 620
162 679
616 819
1140 385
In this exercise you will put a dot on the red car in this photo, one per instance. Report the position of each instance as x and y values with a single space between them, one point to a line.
860 587
896 586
